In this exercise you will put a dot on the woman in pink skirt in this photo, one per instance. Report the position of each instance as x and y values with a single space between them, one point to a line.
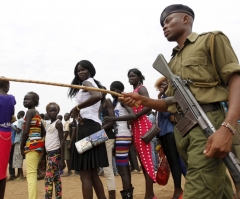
139 127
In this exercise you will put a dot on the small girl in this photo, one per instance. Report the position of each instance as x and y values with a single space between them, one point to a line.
123 139
54 144
32 143
7 103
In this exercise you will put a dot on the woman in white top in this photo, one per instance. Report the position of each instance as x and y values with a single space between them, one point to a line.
86 111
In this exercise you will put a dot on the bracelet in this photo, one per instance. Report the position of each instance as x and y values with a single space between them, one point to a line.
77 108
227 125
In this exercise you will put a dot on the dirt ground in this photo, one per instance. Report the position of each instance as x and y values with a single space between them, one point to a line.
72 188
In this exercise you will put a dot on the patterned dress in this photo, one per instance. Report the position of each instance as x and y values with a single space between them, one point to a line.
139 128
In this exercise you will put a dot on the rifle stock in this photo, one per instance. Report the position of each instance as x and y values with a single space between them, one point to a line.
192 110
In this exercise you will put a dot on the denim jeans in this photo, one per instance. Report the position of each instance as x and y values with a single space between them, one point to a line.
154 143
114 165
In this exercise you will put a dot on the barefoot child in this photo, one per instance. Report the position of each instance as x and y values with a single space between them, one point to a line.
7 103
55 152
32 143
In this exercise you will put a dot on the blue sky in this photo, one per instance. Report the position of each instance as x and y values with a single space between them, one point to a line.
43 40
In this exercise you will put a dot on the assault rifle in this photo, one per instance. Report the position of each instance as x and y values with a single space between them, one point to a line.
193 114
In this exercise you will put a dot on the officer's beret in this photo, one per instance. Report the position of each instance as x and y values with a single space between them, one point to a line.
175 8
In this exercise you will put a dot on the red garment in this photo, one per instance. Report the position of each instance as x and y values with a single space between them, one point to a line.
5 148
139 128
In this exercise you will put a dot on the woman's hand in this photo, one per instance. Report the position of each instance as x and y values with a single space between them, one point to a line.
74 113
107 119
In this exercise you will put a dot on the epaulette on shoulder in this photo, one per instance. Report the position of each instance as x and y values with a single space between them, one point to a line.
217 32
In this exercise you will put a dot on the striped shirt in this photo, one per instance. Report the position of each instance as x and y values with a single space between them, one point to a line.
35 141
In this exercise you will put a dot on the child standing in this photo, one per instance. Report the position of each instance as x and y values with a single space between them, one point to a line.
7 103
55 152
17 156
11 170
32 143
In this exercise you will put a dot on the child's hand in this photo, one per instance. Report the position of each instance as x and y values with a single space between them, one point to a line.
62 164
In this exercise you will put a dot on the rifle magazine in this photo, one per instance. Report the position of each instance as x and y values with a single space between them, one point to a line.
186 124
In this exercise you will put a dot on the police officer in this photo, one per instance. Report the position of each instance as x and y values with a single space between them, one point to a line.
209 62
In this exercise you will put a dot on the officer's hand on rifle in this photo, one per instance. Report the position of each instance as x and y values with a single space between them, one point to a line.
219 143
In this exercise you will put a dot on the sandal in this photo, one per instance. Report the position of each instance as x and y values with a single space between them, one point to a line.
11 178
20 179
180 197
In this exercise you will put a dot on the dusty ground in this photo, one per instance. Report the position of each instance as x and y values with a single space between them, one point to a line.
72 188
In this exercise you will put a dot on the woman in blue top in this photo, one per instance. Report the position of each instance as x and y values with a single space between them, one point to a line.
165 122
7 103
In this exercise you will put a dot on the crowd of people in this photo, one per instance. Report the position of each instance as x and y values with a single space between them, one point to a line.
48 145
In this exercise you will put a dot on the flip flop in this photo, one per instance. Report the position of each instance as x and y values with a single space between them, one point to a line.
181 196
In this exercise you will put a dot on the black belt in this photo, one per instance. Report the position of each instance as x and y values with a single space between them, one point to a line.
205 107
210 107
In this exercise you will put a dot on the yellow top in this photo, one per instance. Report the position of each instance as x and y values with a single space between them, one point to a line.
193 62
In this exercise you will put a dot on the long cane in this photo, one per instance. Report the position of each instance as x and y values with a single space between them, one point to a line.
64 85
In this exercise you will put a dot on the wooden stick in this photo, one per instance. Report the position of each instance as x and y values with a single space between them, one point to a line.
65 85
62 85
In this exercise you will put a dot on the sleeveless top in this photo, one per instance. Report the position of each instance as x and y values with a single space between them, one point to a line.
7 103
90 112
109 132
140 127
52 141
122 126
35 141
